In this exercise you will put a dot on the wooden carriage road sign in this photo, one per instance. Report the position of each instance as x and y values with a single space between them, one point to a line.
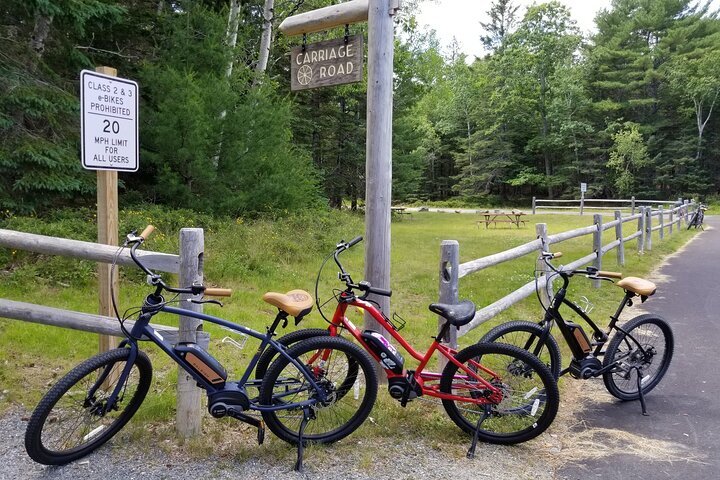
109 122
331 62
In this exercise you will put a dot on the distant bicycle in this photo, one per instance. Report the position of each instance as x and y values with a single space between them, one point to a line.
637 355
698 217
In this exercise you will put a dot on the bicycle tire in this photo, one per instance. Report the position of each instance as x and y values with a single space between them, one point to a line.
289 339
324 428
621 382
512 333
528 388
94 431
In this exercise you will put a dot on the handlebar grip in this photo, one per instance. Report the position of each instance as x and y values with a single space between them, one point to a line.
557 255
146 233
601 273
380 291
354 241
218 292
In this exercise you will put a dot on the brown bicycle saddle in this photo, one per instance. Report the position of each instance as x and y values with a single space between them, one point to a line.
297 303
637 285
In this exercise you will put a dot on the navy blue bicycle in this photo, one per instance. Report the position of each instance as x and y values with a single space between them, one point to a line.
299 402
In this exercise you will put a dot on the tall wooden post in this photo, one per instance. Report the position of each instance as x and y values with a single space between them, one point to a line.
541 232
597 245
107 223
378 165
641 229
648 228
449 266
619 238
188 417
582 202
533 205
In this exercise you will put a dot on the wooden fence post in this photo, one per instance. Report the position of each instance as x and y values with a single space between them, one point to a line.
189 406
619 238
533 205
662 222
632 205
449 269
597 245
671 221
107 224
641 229
648 228
582 202
541 231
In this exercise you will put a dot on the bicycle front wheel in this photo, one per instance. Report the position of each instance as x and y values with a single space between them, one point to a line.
646 351
526 335
332 361
70 421
530 396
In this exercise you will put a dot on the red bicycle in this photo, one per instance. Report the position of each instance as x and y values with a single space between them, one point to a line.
498 393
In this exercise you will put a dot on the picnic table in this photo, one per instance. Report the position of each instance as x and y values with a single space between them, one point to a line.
496 216
400 211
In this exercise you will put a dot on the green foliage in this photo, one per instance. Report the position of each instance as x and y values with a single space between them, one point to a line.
627 158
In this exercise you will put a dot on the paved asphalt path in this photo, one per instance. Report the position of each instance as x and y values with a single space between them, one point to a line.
685 407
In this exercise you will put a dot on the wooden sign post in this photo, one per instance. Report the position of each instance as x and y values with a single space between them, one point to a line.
107 222
378 165
109 131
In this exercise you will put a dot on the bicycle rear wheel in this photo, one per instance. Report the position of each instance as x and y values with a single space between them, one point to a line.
526 335
657 341
68 423
332 362
530 396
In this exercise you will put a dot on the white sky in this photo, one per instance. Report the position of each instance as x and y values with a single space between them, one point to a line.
461 19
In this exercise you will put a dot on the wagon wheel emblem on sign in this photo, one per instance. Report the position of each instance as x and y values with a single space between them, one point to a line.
304 75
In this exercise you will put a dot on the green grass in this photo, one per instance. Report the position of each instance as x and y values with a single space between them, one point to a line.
259 256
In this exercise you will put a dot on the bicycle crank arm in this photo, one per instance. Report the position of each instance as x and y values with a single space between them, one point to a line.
255 422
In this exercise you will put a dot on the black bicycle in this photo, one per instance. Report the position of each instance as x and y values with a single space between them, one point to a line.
698 218
300 403
637 355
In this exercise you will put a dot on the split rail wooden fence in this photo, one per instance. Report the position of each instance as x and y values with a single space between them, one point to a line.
648 221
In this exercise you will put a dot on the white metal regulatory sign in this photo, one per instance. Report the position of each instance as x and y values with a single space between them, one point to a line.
109 122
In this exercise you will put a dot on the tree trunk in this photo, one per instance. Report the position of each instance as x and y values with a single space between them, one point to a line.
266 38
232 32
40 33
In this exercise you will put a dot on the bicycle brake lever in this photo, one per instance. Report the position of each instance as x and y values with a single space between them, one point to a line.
200 302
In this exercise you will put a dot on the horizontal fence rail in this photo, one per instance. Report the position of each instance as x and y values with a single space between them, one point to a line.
64 247
451 270
599 204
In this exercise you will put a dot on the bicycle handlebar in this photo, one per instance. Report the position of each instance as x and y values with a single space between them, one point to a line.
589 271
363 286
146 233
156 280
218 292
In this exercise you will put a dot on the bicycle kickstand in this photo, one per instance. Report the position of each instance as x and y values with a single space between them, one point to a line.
307 416
485 414
640 393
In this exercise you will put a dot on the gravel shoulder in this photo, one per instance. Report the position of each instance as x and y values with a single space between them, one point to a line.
124 459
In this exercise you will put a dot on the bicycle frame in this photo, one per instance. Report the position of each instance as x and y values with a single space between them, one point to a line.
578 343
425 379
142 328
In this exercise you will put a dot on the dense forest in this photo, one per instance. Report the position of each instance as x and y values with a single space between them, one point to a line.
632 110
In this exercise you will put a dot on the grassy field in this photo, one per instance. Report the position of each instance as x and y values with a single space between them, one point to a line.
258 256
